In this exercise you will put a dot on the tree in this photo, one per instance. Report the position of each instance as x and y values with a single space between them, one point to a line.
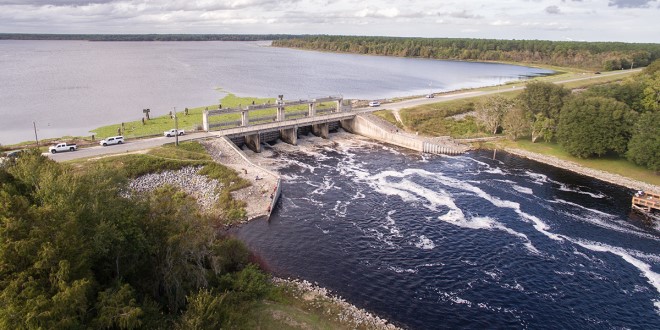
516 123
543 97
644 146
543 127
489 113
591 126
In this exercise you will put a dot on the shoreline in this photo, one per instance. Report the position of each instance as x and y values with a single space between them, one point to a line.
612 178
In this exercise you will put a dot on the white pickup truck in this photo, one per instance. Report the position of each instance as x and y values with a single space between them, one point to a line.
62 147
174 132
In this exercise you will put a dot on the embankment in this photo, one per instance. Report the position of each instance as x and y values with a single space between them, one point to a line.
378 129
574 167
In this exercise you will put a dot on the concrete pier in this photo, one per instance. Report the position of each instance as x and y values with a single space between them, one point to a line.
321 130
253 142
289 135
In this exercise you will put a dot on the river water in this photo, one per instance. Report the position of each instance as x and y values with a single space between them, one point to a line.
70 87
460 242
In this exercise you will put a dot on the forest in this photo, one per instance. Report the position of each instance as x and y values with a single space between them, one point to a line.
77 252
584 55
620 119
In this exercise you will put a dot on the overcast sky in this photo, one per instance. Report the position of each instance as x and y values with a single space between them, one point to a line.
591 20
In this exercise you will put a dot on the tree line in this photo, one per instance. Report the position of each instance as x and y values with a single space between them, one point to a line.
594 55
76 253
616 119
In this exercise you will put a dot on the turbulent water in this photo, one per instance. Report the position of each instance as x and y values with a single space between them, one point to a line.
460 242
70 87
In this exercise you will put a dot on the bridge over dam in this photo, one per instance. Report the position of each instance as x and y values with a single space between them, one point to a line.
255 124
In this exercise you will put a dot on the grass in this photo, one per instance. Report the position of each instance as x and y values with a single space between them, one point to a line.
388 116
171 158
193 121
619 166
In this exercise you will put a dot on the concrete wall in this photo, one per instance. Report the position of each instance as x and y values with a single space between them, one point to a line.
363 126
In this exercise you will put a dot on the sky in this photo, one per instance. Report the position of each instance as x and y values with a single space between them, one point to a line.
588 20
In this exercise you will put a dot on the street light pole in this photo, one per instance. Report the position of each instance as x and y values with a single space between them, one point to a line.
35 132
176 128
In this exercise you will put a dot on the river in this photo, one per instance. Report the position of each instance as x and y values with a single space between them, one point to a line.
70 87
433 242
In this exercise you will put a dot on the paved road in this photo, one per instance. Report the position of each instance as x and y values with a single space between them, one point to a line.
141 144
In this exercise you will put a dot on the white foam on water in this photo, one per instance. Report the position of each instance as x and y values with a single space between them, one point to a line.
582 207
565 187
652 277
400 270
537 178
424 243
391 224
609 224
440 199
341 208
327 184
494 171
539 225
523 190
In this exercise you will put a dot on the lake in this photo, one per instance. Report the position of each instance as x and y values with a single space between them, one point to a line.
70 87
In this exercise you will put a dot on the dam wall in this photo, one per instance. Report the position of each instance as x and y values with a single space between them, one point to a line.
378 129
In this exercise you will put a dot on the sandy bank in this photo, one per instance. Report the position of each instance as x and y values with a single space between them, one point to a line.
574 167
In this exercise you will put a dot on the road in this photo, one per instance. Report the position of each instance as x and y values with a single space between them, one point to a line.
141 144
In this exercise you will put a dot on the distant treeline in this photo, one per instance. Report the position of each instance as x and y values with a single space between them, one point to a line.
589 55
146 37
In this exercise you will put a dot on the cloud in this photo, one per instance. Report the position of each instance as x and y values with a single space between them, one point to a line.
554 10
630 3
57 3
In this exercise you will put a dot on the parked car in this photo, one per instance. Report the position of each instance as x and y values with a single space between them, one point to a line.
62 147
174 132
112 140
374 103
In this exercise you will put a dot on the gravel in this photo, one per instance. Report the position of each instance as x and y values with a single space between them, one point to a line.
203 189
354 316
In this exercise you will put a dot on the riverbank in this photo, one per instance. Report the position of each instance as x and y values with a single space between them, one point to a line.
590 172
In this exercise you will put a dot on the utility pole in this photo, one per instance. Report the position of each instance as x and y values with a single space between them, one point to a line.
35 132
176 128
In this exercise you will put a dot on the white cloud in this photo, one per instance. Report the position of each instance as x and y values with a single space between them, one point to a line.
519 19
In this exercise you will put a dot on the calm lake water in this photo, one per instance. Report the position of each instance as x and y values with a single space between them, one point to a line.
435 242
70 87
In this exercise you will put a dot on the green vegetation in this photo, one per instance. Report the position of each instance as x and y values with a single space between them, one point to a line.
75 253
594 55
613 121
193 120
608 163
228 210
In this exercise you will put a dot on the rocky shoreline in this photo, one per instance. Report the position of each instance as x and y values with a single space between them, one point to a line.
353 317
574 167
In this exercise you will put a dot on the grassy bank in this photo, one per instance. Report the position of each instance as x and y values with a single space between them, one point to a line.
608 164
171 158
193 120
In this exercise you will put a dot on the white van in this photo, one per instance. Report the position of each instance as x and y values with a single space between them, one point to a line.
374 103
112 140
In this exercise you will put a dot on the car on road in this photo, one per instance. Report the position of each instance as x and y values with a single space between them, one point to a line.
62 147
11 156
430 96
374 104
174 132
112 140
